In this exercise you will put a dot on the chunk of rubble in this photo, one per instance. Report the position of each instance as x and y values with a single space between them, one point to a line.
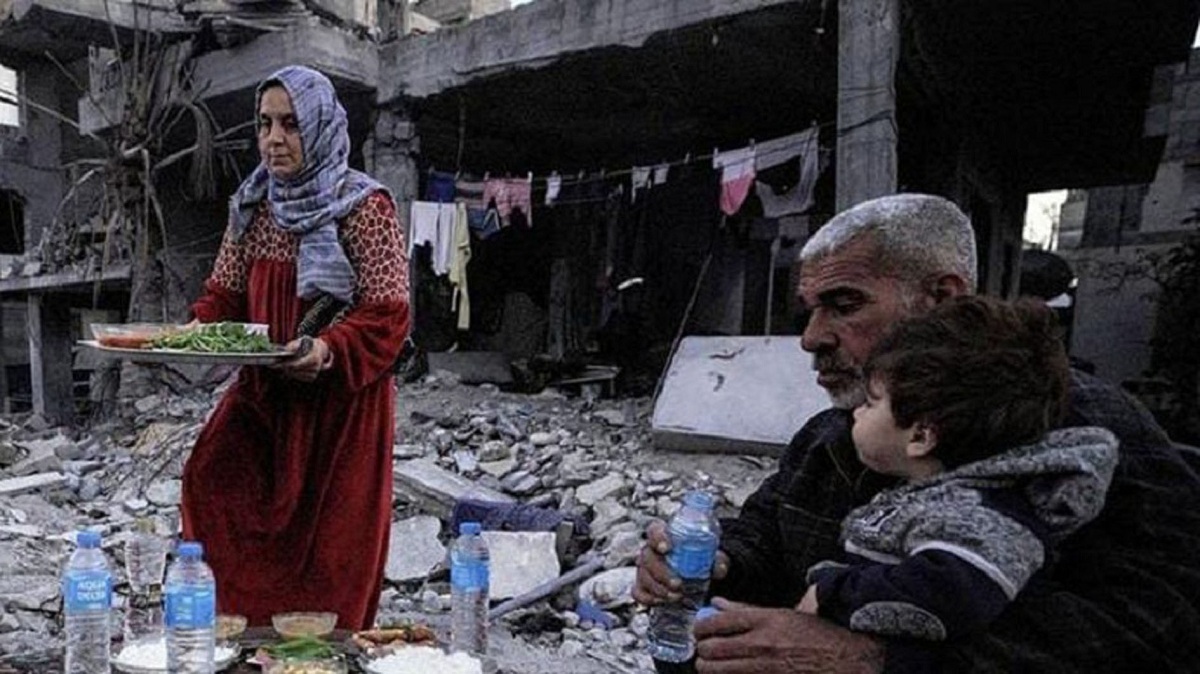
611 589
520 561
594 492
414 549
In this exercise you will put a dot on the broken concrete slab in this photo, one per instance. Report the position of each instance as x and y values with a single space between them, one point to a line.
436 490
20 485
520 561
610 589
29 592
165 493
736 395
594 492
40 457
414 549
474 367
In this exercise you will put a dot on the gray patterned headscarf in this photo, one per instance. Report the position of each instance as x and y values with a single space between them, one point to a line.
326 190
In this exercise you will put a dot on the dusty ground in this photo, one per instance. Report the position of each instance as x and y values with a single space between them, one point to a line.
555 447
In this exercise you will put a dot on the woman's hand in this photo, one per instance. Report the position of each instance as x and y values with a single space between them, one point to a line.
312 357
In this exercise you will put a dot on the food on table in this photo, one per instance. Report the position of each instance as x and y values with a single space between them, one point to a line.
303 624
424 660
152 654
214 338
299 647
307 666
230 626
377 640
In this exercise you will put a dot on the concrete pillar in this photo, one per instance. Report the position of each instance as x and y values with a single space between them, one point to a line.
868 51
5 407
388 154
50 358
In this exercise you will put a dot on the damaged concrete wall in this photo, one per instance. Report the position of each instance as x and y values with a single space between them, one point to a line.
459 11
31 155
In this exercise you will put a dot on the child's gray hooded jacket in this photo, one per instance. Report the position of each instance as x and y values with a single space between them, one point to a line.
943 556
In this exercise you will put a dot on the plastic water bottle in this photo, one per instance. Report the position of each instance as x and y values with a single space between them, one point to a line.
191 612
694 533
87 605
145 561
145 556
469 591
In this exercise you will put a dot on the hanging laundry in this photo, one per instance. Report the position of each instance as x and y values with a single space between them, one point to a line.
459 257
505 195
660 174
781 150
433 224
800 197
469 191
639 180
737 177
553 187
440 187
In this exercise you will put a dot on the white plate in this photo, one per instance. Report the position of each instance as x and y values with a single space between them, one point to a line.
134 669
181 356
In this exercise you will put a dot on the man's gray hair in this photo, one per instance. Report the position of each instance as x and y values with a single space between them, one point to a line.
915 235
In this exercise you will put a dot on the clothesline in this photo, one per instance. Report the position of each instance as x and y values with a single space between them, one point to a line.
584 177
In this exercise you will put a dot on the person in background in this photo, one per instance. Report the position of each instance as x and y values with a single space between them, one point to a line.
1124 594
289 485
959 402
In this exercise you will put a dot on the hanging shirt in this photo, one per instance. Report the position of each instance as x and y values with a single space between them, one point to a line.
737 177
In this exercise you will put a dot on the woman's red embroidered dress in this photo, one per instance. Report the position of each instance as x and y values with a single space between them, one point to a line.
289 486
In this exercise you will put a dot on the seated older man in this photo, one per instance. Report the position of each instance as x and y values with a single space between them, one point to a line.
1124 594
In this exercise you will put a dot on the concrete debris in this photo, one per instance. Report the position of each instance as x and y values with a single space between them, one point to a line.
587 457
609 485
436 489
611 589
414 549
20 485
520 561
165 493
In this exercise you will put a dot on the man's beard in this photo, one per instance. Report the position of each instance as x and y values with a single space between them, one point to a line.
848 392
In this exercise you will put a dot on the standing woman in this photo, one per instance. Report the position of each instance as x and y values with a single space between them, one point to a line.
289 485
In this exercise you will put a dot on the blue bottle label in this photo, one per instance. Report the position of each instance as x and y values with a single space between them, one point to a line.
87 591
693 557
190 608
469 576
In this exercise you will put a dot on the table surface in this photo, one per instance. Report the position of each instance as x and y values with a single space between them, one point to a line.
51 660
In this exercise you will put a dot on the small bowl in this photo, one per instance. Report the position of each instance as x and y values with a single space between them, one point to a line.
304 624
230 627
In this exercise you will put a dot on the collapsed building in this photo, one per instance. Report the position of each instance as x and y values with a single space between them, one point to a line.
672 155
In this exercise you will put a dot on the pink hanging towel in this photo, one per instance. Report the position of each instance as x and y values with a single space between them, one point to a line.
737 177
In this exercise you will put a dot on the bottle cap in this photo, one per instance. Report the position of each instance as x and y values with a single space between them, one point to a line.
470 528
701 500
191 550
87 539
706 612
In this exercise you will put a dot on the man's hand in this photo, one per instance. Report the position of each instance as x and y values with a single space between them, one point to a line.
655 582
312 358
749 640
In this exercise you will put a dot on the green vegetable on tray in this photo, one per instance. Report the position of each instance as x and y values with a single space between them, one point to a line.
215 338
301 647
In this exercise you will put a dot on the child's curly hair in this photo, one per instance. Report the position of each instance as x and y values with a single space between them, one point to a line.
987 374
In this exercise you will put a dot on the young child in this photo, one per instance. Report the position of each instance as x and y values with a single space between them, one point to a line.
960 402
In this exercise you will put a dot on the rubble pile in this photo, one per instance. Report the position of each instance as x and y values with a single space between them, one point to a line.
581 463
